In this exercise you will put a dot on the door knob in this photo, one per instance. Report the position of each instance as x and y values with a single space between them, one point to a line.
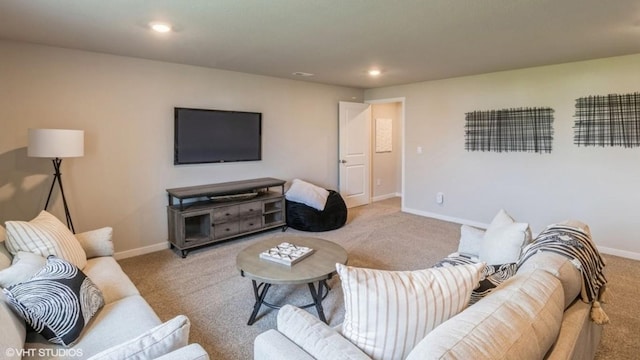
343 161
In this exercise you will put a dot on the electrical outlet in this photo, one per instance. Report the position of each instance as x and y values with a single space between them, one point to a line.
440 198
378 182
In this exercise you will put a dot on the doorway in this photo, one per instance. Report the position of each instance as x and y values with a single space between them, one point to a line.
377 128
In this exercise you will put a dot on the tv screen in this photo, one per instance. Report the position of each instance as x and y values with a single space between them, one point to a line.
212 136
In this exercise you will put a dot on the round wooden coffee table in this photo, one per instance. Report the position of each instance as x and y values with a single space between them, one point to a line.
318 267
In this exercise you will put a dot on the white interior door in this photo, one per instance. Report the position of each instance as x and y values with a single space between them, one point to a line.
354 152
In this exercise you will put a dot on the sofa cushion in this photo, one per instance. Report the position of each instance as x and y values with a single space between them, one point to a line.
388 312
314 336
45 235
108 276
25 266
114 324
57 302
503 241
273 345
308 194
190 352
12 328
97 242
155 342
519 320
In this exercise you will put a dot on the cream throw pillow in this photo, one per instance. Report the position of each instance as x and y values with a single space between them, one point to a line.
154 343
470 241
97 242
308 194
504 240
45 235
388 312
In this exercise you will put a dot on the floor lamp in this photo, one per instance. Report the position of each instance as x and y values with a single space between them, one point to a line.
56 144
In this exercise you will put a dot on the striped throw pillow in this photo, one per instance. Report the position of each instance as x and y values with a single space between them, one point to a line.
45 235
387 313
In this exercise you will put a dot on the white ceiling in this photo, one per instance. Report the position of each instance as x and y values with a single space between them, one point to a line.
337 40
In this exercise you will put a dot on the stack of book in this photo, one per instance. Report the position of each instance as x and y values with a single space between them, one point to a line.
286 253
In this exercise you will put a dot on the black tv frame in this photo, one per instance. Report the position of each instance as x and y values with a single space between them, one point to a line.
224 117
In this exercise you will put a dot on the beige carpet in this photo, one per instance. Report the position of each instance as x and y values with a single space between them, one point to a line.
207 287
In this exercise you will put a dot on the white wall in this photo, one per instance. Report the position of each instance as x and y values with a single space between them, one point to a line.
596 185
125 105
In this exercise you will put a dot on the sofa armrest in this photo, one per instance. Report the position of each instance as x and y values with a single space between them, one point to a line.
316 337
158 341
272 345
96 242
189 352
579 336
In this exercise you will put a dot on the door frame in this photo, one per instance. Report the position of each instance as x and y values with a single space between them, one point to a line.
402 101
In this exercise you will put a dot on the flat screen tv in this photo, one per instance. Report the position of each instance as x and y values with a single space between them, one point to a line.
216 136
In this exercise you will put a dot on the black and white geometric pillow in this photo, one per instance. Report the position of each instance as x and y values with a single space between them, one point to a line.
492 275
56 302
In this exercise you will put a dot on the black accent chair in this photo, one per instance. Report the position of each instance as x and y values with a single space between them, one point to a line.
305 218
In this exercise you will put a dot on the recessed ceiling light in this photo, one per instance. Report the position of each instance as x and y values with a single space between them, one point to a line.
300 73
374 72
160 27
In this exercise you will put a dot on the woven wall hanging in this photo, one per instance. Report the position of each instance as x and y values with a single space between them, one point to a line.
609 120
523 130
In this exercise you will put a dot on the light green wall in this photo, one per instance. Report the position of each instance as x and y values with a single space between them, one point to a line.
596 185
125 105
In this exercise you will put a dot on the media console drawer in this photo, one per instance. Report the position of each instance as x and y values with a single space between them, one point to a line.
225 230
250 209
250 224
223 214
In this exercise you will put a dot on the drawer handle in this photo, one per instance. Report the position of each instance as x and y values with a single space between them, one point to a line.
250 224
227 229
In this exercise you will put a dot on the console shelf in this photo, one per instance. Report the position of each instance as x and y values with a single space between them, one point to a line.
205 214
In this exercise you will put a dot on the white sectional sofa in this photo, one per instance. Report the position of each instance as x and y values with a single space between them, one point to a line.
126 327
535 314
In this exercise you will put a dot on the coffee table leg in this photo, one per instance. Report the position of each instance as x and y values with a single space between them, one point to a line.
259 295
317 299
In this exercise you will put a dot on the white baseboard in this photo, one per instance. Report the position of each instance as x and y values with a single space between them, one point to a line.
603 249
622 253
446 218
385 197
141 251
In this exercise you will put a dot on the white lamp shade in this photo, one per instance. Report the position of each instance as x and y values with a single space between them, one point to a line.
55 143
